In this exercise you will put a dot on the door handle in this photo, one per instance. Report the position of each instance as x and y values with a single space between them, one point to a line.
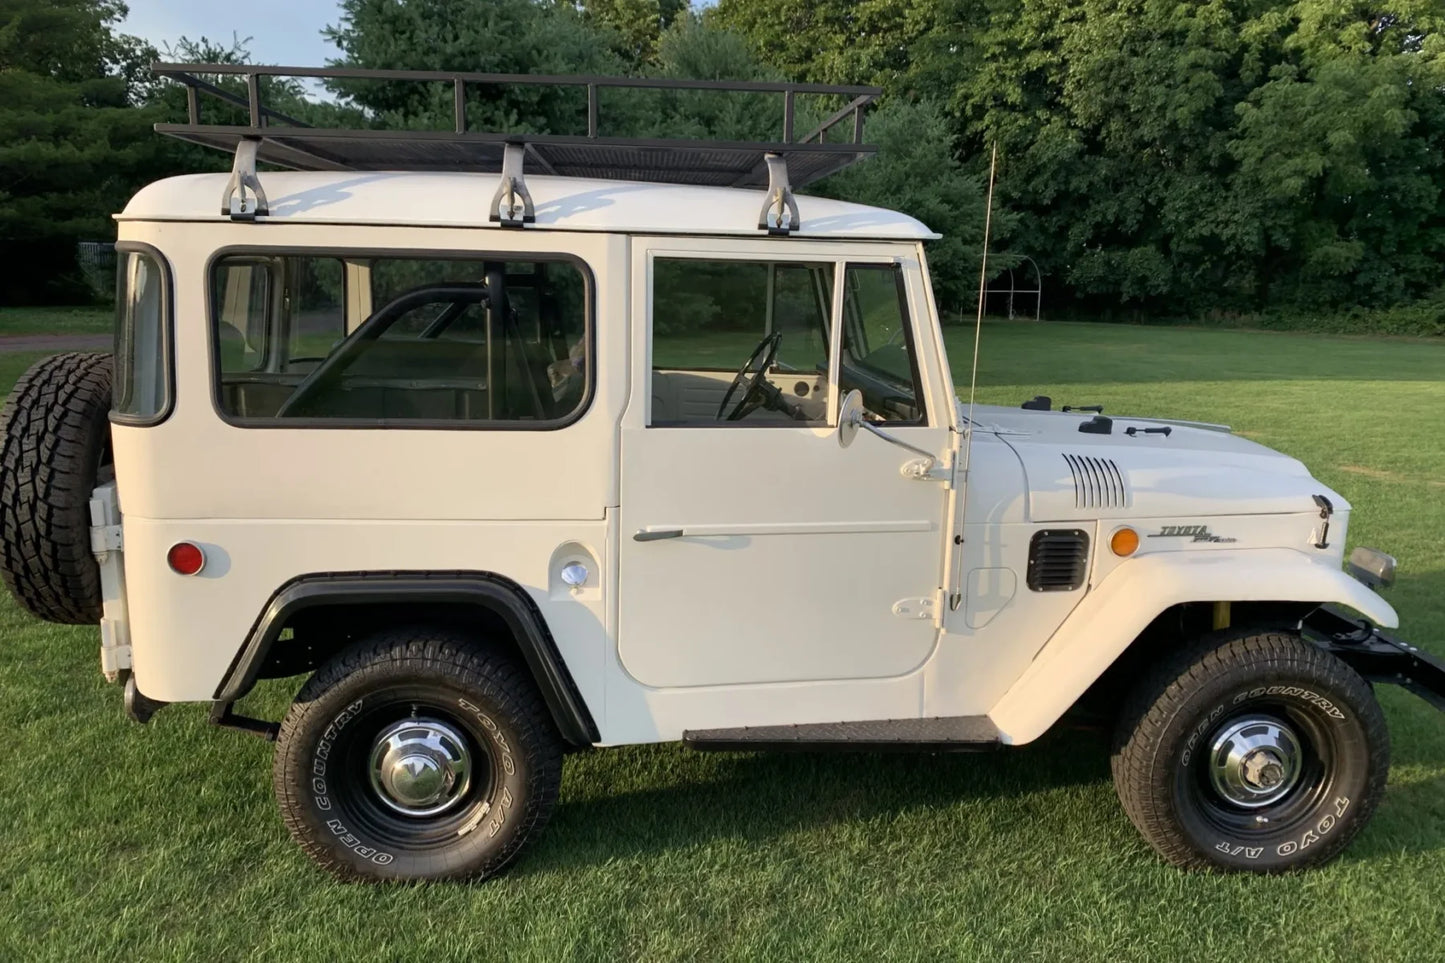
657 536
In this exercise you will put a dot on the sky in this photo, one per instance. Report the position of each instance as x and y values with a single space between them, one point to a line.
286 32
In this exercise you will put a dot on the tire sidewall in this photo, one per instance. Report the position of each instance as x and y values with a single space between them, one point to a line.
318 747
1337 813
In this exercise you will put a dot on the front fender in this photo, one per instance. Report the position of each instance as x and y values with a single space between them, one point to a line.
1113 614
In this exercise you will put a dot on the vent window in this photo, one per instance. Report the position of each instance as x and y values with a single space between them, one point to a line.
1058 560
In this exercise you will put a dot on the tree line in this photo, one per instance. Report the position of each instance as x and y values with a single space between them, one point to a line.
1158 158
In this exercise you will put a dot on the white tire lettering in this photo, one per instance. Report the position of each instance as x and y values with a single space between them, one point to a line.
349 840
1248 852
509 765
1289 691
1323 828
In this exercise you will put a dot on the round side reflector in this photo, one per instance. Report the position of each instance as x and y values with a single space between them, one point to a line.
1125 542
186 558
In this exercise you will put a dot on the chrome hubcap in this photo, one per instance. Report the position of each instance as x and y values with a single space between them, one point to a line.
1255 761
420 767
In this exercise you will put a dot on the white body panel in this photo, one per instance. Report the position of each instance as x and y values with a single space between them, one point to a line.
792 599
777 519
1124 603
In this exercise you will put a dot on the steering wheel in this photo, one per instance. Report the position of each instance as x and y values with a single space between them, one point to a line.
751 374
324 375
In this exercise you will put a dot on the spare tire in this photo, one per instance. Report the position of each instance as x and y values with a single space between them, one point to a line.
55 448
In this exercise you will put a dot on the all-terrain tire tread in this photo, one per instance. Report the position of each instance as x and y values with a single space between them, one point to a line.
489 671
55 429
1159 697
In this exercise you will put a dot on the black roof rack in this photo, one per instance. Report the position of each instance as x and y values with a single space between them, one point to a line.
272 137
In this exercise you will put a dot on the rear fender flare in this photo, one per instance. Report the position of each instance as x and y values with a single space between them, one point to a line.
486 590
1113 614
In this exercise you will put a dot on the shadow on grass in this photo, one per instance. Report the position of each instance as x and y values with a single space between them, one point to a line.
757 797
1418 728
694 798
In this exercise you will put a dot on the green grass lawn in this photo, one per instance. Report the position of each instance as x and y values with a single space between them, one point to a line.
74 320
162 842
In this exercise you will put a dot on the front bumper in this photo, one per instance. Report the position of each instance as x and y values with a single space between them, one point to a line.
1377 656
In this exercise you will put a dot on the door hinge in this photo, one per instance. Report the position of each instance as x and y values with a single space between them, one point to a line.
928 469
919 608
114 648
106 538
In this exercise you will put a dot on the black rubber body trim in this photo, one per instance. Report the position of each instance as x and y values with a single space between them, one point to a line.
958 733
1377 656
498 595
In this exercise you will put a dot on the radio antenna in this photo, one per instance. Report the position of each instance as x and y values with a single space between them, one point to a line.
955 597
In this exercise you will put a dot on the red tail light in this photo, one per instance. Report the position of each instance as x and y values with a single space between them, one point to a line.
186 558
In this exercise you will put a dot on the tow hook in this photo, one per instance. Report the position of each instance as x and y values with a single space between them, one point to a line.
221 715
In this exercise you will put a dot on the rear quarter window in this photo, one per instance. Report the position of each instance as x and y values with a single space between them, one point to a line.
142 389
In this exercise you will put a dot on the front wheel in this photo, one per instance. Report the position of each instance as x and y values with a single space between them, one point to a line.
1251 752
417 755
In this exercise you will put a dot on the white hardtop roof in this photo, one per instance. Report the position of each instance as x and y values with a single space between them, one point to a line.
562 203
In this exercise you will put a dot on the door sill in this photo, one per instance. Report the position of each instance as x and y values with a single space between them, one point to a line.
938 734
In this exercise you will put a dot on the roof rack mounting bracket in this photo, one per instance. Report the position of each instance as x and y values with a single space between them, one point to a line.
780 210
243 178
512 198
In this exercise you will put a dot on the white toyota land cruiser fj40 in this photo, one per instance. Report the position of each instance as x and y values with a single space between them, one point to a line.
616 461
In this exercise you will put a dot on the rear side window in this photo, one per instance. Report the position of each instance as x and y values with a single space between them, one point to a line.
142 392
353 340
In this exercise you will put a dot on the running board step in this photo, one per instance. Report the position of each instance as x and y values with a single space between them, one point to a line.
955 733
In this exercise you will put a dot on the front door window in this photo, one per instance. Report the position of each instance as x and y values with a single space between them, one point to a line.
741 343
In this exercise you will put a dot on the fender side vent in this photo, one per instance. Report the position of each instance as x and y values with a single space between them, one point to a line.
1098 483
1058 560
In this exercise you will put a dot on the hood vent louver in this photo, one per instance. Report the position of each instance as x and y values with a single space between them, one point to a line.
1058 560
1098 483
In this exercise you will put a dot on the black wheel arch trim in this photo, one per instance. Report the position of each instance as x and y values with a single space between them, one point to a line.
498 594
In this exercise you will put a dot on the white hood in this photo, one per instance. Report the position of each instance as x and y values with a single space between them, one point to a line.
1190 472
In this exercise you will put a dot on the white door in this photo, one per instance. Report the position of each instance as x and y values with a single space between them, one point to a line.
754 547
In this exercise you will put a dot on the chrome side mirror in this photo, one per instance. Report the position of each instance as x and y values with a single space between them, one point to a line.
850 417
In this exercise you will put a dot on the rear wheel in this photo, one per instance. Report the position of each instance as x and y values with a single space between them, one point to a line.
417 755
1253 752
